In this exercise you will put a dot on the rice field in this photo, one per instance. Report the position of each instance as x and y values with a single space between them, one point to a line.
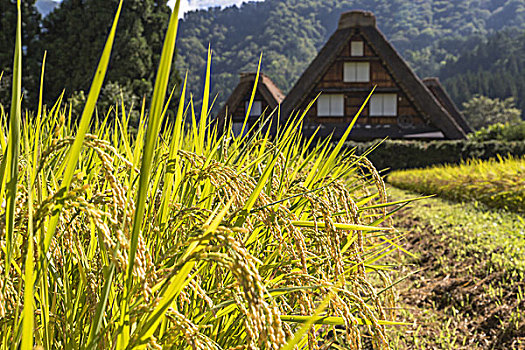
497 183
182 235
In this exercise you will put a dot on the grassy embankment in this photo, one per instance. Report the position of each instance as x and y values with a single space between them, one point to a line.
471 291
180 236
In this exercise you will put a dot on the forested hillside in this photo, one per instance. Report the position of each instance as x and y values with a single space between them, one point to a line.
429 34
495 68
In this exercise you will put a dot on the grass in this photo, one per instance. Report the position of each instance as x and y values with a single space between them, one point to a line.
469 293
182 235
498 183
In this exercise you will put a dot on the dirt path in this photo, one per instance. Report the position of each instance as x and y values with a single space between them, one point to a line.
465 296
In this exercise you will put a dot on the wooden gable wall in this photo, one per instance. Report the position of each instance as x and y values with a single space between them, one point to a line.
239 113
408 120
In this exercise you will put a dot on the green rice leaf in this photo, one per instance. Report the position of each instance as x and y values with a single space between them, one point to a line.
85 120
28 313
154 121
13 143
101 308
307 322
179 281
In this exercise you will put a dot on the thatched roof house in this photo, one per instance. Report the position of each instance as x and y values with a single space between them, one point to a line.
267 97
356 58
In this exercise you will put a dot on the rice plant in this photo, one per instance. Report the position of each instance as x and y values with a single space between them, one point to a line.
498 183
182 235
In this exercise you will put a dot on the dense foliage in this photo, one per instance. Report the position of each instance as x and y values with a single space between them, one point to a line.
494 68
496 183
398 154
428 33
75 32
30 30
482 111
501 132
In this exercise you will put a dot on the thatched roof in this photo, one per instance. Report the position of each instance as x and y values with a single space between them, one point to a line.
364 23
266 87
434 85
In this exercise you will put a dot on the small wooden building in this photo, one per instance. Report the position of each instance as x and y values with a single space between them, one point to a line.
356 58
267 97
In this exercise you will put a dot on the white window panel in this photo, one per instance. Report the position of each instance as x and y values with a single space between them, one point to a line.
383 105
356 72
331 105
363 72
376 105
256 110
337 105
350 72
390 105
237 128
323 105
357 48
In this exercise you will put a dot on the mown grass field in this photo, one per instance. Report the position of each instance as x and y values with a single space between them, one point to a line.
498 183
470 291
184 236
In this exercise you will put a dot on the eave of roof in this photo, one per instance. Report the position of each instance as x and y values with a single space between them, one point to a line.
413 86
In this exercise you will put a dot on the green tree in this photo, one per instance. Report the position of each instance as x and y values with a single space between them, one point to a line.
482 111
30 31
111 98
74 35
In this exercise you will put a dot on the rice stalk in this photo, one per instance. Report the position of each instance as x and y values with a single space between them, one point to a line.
183 236
497 183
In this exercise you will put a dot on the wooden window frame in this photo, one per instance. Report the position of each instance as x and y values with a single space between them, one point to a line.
331 98
351 72
253 111
374 99
360 52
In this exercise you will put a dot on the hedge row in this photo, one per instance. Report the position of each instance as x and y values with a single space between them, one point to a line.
395 155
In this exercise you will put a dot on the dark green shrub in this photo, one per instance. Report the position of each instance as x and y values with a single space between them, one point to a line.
501 132
394 155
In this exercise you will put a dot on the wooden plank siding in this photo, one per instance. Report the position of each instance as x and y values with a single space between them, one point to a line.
240 111
234 109
356 93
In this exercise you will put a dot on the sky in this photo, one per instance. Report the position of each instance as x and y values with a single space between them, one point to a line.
188 5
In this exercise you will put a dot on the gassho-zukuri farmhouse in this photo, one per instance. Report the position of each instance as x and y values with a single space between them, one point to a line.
356 58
